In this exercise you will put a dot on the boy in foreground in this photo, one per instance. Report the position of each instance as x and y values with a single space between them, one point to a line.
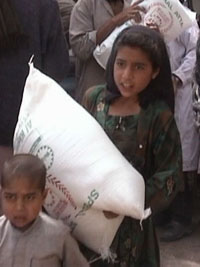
28 237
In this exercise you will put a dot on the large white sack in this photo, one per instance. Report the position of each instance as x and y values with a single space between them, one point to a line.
102 51
86 172
171 17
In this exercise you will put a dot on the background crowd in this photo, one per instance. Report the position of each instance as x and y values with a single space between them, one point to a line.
145 101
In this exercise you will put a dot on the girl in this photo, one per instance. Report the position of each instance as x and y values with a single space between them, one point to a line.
135 108
91 22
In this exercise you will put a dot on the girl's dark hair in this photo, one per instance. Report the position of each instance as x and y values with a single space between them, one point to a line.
152 43
11 32
197 66
24 165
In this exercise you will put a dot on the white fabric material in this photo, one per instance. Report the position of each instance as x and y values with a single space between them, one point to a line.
102 51
86 172
169 15
182 53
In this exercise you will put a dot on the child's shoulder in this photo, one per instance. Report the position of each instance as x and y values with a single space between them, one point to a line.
52 225
91 95
160 107
94 91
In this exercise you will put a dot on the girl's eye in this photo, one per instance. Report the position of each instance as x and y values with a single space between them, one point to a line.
139 67
10 197
120 63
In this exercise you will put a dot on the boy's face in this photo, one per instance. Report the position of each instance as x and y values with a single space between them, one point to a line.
22 201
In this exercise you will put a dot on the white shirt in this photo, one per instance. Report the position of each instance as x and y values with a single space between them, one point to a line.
47 243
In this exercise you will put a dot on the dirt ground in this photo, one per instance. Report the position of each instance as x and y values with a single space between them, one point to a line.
184 252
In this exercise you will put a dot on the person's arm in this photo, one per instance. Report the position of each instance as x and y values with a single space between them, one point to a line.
128 13
165 182
84 37
184 72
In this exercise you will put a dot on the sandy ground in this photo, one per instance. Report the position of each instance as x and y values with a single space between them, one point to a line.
182 253
186 251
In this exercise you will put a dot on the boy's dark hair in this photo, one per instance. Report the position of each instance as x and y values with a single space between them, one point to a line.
152 43
24 165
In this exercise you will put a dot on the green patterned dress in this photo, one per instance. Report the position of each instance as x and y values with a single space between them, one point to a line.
150 142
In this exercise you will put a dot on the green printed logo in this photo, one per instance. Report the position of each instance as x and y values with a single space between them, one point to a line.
91 199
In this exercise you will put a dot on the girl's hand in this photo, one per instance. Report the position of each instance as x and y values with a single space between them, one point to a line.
109 214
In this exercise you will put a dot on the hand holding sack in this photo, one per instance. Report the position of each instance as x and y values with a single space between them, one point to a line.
170 16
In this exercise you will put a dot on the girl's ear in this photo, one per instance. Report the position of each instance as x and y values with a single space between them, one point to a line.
155 73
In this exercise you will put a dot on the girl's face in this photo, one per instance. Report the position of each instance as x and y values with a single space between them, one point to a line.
133 71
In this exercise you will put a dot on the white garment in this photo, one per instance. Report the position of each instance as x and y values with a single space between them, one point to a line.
47 243
182 52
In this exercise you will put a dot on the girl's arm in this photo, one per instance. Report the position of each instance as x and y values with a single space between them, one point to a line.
163 185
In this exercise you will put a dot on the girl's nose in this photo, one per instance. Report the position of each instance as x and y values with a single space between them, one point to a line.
127 73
